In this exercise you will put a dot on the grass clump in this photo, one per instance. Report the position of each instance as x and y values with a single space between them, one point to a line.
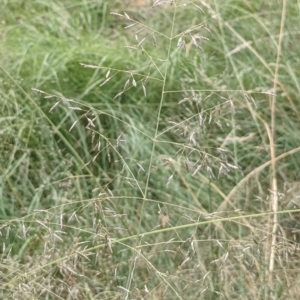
165 169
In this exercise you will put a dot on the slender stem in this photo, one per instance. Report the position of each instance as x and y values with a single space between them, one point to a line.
132 265
274 190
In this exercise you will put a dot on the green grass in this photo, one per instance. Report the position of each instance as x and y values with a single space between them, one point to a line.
165 191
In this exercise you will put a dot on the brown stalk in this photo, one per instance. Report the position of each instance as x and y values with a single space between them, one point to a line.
274 190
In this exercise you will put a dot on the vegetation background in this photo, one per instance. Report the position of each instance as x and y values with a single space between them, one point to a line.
149 149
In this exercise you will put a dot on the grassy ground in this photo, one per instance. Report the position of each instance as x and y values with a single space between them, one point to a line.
150 171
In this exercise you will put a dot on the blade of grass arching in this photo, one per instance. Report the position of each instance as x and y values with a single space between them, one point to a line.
132 264
274 189
238 186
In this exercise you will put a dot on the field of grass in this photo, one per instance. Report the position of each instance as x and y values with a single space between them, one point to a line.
149 149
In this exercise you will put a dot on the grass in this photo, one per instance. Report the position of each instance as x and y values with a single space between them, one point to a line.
169 171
